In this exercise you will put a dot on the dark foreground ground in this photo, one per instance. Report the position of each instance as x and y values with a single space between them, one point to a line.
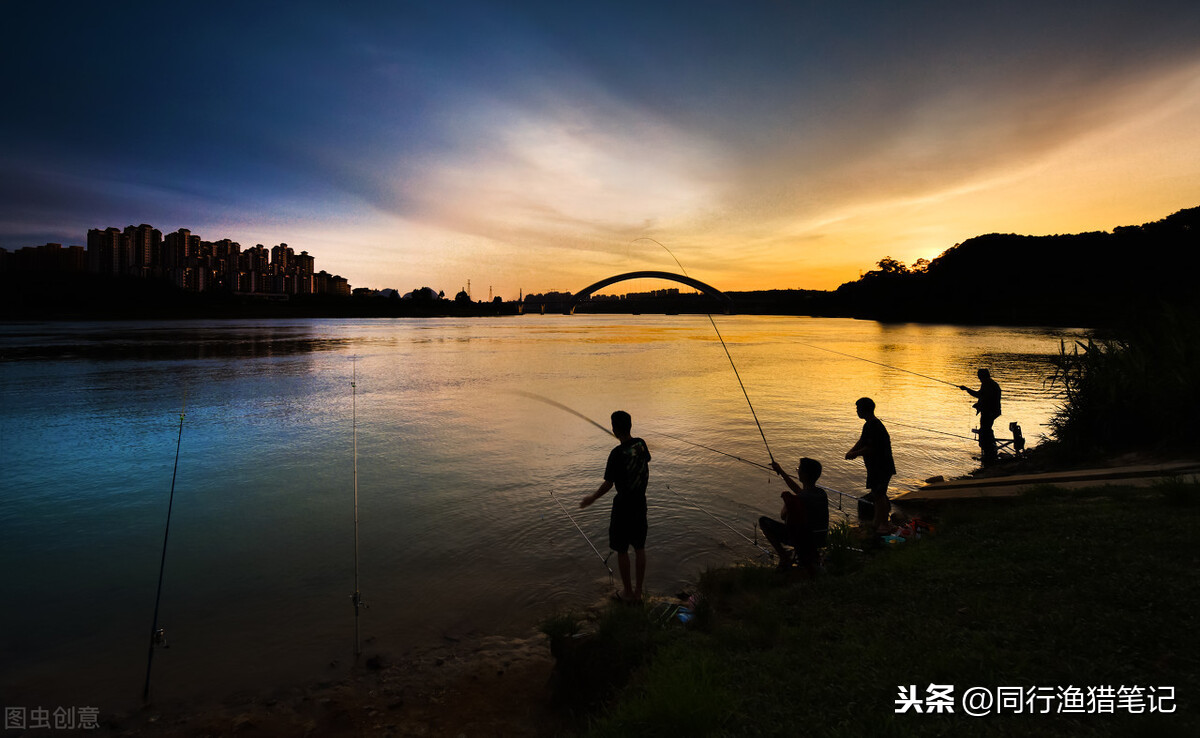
1084 602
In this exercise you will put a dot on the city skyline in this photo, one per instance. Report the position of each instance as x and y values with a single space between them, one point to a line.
527 148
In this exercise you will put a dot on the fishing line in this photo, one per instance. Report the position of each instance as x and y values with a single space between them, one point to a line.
157 636
730 356
603 559
722 522
356 598
930 430
717 451
576 413
877 363
754 463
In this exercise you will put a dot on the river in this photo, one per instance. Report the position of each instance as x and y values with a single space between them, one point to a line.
459 449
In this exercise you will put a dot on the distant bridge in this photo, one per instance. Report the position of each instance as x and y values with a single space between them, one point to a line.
707 289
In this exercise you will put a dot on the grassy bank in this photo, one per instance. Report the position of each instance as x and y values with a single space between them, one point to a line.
1080 589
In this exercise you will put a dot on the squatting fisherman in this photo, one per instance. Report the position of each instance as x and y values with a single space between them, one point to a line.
805 515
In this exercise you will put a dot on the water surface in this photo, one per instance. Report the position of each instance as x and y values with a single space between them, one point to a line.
457 465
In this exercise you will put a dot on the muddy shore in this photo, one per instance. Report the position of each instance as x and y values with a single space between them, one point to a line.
476 686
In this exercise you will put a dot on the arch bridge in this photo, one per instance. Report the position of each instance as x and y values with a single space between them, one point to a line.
707 289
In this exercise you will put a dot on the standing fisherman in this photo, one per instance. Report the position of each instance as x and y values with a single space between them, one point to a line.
988 408
628 469
875 446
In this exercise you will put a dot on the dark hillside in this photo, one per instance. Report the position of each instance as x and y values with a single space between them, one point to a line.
1081 279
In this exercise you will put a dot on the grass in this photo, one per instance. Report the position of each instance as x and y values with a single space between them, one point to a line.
1060 589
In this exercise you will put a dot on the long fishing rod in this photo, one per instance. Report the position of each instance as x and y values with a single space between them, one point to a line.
576 413
560 406
603 559
157 636
727 354
356 598
879 363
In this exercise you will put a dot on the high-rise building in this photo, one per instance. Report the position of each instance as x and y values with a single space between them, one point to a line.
281 258
104 251
305 265
182 259
143 247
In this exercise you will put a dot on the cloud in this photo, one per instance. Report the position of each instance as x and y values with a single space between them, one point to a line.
756 139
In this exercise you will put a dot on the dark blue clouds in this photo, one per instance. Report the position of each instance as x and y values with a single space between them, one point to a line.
508 120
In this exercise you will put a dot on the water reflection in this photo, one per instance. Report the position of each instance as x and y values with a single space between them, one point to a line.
456 465
171 341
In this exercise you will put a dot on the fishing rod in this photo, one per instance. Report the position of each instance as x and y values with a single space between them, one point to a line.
560 406
878 363
576 413
727 354
158 636
356 598
603 559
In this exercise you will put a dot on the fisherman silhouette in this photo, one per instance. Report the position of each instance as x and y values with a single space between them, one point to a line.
875 447
805 516
628 470
988 408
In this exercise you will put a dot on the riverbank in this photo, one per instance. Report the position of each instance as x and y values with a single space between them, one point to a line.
1082 600
1086 594
481 685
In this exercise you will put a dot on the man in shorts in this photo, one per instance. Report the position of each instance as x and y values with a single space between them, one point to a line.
629 471
875 448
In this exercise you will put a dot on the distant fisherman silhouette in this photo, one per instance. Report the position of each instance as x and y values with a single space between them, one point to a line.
988 408
629 471
875 446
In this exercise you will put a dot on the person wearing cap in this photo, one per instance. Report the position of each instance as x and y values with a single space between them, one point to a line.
875 448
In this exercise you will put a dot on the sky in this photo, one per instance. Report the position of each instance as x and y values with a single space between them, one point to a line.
528 146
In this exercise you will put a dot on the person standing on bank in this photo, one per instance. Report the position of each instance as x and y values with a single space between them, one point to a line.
629 471
988 408
875 448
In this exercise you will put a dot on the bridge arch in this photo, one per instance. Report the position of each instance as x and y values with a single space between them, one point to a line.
707 289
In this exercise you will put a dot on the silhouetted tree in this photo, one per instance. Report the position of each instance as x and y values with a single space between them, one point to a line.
888 265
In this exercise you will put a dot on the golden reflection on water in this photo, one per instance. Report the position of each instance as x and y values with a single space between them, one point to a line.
678 379
456 462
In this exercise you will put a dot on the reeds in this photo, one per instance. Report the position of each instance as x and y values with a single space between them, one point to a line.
1136 390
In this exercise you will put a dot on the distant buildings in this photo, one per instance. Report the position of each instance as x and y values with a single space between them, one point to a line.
49 258
185 261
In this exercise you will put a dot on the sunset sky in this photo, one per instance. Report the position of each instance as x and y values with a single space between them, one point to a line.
525 145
